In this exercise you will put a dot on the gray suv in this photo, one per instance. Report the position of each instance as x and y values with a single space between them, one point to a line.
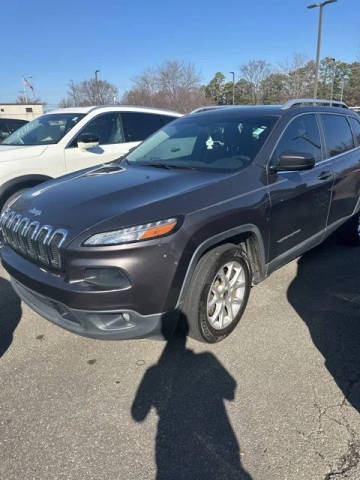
188 222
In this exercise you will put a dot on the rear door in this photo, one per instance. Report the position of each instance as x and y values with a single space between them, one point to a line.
299 200
342 148
140 125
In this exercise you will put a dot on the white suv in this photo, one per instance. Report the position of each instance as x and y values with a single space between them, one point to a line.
71 139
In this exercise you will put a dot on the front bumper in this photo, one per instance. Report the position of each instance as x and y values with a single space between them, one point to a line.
105 325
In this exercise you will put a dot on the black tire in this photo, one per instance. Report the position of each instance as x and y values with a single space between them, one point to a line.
12 199
195 303
349 233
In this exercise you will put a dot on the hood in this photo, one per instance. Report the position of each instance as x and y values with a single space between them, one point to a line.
110 198
18 152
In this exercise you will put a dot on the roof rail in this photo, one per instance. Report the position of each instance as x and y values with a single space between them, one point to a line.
209 107
96 107
303 102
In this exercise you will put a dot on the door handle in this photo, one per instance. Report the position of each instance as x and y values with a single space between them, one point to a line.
324 175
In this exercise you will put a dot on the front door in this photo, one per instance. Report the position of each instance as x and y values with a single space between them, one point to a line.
108 128
299 200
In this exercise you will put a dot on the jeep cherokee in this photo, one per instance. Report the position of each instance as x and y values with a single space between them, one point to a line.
205 208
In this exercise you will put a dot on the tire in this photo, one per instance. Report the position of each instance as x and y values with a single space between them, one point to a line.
349 233
207 313
12 199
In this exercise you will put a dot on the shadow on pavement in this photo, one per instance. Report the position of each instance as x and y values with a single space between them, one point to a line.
194 438
326 295
10 314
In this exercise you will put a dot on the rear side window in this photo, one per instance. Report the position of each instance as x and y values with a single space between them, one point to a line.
301 136
166 119
355 125
338 135
138 125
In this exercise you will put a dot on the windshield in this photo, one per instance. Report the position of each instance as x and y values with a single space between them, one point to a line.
205 142
44 130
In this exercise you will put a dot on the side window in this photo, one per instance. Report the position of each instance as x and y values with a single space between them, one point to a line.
4 130
107 127
138 125
301 136
166 119
338 135
355 125
14 125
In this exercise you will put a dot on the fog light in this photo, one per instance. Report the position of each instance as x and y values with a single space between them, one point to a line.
108 278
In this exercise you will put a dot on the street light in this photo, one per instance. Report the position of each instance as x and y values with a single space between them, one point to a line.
321 7
233 87
333 79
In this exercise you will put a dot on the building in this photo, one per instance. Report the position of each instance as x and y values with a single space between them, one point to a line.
21 111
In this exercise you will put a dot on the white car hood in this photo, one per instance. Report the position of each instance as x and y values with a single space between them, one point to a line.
9 153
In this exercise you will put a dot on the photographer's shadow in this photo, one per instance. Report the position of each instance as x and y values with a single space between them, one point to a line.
326 295
194 439
10 314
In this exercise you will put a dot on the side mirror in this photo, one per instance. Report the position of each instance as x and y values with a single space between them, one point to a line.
293 162
86 141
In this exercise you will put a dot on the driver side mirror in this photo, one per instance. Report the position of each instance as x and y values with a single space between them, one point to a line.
86 141
293 162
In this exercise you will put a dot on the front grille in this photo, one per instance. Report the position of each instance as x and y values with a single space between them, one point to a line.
39 243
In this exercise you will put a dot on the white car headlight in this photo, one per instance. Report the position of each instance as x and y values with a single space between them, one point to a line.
132 234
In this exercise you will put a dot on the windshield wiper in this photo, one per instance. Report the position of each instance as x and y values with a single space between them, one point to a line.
168 166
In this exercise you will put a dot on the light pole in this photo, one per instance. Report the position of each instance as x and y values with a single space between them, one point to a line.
333 79
345 77
321 7
97 86
233 88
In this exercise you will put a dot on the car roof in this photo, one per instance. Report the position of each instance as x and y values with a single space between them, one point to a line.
235 110
268 110
116 108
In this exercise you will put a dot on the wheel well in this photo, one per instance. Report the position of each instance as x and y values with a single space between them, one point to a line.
15 188
249 242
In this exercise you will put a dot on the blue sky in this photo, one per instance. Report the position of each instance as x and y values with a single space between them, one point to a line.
56 41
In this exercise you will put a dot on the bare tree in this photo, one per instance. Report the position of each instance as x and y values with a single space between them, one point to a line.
174 85
300 76
255 72
90 92
22 99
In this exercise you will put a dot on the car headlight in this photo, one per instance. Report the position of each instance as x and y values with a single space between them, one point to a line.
132 234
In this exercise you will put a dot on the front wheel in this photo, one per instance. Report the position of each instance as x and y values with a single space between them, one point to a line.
218 293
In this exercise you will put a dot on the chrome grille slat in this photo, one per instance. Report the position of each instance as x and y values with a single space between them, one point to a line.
39 243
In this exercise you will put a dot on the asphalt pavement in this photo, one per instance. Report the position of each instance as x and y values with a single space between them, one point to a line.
279 399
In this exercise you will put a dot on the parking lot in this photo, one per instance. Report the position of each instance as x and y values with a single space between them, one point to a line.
278 399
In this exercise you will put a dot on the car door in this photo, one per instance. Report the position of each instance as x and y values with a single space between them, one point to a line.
299 200
342 147
108 128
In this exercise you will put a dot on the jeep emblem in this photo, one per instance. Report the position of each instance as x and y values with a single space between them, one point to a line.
35 212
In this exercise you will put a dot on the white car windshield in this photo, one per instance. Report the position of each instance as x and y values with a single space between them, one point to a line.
210 142
45 130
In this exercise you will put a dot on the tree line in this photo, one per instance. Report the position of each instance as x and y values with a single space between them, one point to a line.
260 83
177 85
